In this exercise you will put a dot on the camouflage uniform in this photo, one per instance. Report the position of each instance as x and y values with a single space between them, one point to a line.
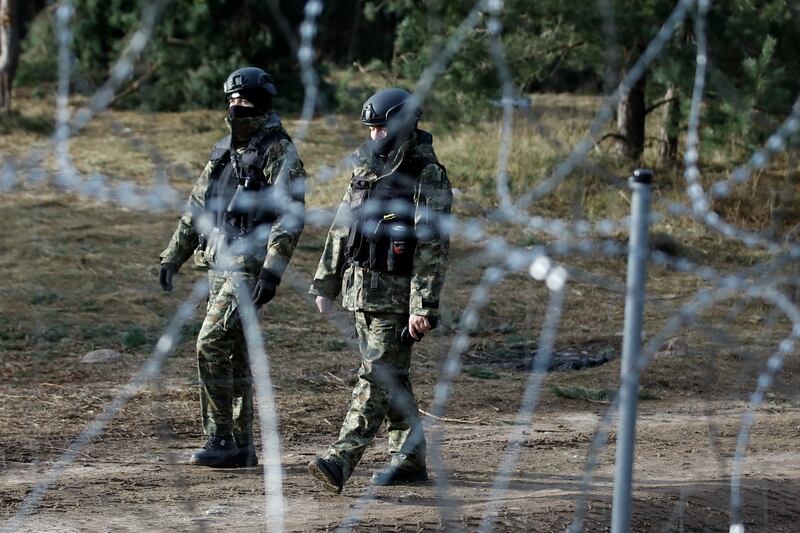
381 303
234 259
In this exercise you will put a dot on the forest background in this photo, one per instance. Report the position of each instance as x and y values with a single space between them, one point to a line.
550 46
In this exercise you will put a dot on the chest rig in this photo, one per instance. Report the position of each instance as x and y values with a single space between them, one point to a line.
238 194
382 237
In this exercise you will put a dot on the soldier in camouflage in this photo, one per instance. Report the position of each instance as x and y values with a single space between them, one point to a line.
242 223
387 252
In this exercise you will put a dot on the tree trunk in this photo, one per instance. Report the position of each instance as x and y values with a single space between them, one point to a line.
668 147
9 50
351 47
630 121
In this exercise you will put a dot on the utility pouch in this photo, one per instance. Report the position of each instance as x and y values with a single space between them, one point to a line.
354 249
400 248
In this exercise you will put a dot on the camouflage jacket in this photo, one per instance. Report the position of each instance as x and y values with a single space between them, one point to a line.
364 290
270 246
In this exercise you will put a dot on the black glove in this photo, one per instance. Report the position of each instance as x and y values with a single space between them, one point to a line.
165 276
265 287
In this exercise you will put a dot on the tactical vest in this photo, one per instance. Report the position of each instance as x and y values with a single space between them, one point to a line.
238 195
382 236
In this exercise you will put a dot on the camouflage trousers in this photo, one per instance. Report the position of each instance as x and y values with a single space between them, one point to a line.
226 399
383 393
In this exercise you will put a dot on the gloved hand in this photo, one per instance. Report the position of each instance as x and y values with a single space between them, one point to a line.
265 287
165 275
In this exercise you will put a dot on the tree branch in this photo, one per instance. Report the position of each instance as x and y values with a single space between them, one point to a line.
134 85
659 104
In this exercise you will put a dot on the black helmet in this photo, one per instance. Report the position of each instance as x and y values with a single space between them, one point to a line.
386 104
251 83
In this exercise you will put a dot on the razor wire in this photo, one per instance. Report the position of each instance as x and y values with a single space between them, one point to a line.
150 369
267 411
556 282
727 289
516 258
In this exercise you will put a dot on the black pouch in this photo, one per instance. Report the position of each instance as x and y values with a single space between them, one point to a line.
400 247
378 242
354 247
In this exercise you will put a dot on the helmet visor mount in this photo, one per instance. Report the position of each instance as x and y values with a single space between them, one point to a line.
370 118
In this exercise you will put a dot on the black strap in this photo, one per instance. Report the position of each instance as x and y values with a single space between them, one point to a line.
254 157
221 150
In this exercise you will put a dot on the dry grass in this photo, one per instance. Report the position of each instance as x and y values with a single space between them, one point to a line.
79 275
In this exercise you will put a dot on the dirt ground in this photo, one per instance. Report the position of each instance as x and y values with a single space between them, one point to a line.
80 276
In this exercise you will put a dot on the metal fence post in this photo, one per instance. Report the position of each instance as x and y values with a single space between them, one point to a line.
641 185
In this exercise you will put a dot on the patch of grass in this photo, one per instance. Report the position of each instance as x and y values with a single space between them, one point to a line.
582 393
23 373
134 337
13 334
506 327
517 338
645 394
333 345
190 330
39 124
481 373
55 333
526 239
504 352
594 395
94 330
44 297
90 305
200 121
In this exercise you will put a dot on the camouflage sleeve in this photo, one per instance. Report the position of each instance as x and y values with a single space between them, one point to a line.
284 170
328 278
185 238
433 198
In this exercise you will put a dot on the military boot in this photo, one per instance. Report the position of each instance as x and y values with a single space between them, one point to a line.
328 472
246 457
217 452
399 475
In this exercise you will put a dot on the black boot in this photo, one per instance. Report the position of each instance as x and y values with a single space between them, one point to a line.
396 475
328 472
218 452
246 456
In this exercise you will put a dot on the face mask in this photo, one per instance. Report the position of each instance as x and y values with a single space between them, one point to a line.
239 111
243 121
